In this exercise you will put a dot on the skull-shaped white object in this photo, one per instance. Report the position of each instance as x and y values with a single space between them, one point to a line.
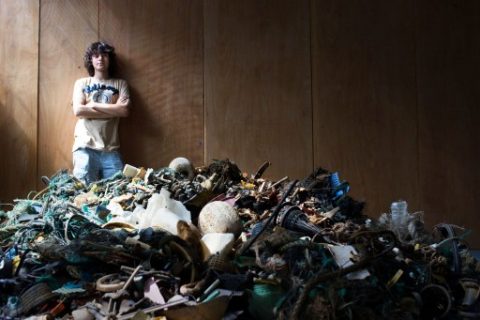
219 217
183 166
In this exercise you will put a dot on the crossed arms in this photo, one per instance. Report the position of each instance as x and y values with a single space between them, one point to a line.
95 110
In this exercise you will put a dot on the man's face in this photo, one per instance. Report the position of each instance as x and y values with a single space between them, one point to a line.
100 62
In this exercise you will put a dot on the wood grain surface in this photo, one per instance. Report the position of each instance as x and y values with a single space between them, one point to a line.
18 97
66 29
364 98
257 85
160 45
448 64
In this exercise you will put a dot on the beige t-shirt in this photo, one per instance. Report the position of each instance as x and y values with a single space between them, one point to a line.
99 134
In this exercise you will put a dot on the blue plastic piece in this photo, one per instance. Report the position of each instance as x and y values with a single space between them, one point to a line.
335 182
338 188
11 253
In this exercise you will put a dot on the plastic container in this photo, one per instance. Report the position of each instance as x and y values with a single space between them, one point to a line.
399 213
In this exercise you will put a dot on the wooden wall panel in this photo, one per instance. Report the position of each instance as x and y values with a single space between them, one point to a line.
448 51
384 92
365 123
18 97
66 29
160 45
257 85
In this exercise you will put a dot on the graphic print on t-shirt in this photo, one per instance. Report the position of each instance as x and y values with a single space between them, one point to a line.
100 92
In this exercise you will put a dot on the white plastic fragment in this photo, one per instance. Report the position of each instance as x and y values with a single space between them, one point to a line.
213 243
164 212
342 255
130 171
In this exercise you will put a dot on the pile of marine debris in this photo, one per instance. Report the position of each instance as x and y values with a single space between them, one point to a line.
212 242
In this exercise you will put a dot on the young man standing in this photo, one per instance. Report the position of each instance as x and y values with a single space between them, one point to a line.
98 102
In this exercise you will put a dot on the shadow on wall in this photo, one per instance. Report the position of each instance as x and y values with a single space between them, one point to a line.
136 133
17 160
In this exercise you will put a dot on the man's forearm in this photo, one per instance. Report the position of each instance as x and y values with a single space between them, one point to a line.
114 110
82 111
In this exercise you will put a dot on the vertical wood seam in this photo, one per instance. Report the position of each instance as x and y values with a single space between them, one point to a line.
310 9
203 87
98 20
417 115
37 135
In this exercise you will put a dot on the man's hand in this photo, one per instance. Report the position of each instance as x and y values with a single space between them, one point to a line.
123 101
88 111
118 109
90 104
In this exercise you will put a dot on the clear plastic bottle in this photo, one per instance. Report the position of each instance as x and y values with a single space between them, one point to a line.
399 214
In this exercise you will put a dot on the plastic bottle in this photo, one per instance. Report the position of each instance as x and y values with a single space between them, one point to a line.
399 214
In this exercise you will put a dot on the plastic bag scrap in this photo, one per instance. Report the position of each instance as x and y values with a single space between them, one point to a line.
215 243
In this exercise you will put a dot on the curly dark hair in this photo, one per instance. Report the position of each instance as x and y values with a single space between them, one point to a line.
99 48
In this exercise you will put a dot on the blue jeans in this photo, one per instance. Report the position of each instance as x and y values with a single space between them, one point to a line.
91 165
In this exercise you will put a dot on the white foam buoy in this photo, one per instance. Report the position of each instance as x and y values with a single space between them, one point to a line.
219 217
